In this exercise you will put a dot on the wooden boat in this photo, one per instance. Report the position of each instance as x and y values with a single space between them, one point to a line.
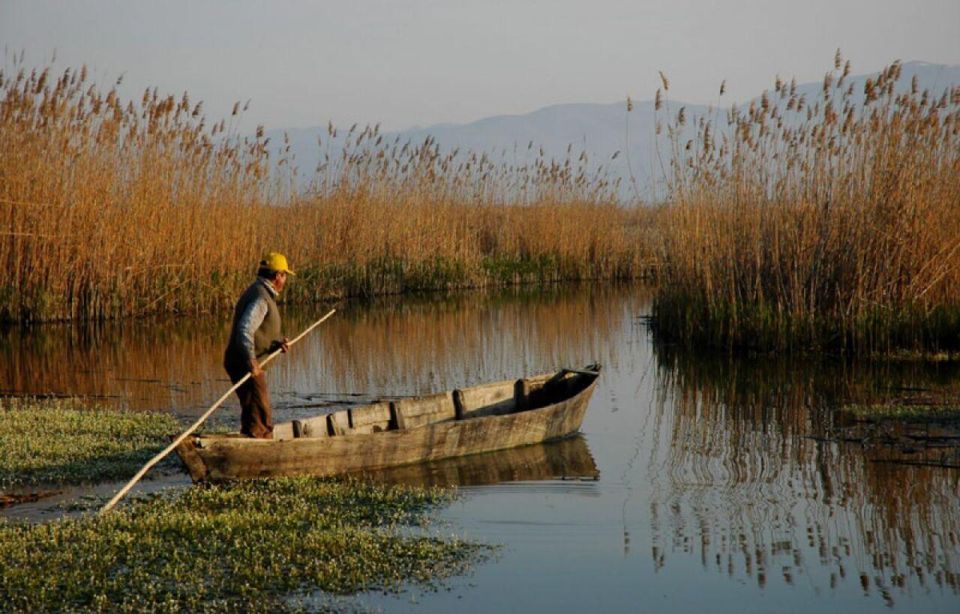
457 423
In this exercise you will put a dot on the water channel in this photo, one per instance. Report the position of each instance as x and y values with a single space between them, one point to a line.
699 481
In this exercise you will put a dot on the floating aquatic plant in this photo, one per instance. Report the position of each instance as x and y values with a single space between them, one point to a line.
60 441
266 545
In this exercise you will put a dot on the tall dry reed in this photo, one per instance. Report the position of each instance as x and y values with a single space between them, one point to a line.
114 208
834 222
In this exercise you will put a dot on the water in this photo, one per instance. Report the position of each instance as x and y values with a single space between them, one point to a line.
699 481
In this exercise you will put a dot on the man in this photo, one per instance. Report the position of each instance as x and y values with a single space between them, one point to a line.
256 333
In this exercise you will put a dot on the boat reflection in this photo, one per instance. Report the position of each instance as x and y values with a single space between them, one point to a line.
566 459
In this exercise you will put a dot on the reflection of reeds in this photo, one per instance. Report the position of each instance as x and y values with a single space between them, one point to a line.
832 222
111 207
415 347
755 483
389 347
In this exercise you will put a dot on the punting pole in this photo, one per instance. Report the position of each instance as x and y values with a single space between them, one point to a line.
156 459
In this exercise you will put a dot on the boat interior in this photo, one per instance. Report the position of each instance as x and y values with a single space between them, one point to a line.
494 399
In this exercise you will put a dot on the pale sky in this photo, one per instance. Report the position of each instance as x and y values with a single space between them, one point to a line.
419 62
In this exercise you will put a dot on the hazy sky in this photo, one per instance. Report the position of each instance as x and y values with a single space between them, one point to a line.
418 62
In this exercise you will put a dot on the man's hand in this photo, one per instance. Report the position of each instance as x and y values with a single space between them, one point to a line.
282 345
255 369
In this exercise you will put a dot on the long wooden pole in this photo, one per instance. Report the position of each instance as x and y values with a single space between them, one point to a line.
156 459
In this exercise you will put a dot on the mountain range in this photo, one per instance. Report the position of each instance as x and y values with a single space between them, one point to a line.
600 130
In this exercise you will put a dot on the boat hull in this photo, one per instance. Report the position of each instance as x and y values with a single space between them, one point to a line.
219 458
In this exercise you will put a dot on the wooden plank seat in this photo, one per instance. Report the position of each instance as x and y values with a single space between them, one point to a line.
494 399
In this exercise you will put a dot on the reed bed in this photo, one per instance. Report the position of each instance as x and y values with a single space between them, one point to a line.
831 223
115 208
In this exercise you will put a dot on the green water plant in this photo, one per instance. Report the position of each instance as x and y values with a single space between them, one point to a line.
60 441
285 544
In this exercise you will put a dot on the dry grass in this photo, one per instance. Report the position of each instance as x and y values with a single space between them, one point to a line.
829 223
115 208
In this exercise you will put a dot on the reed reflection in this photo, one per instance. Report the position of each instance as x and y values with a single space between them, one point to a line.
759 480
389 347
400 346
170 363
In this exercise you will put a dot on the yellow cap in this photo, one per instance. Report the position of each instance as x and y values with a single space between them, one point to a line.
275 261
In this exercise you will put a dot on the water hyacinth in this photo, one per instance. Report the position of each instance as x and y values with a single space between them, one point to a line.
275 545
60 441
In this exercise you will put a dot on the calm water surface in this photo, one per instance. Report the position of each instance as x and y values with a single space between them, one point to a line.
698 482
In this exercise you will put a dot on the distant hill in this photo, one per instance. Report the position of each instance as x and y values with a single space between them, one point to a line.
598 129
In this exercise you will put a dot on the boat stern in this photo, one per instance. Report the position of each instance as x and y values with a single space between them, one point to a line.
187 451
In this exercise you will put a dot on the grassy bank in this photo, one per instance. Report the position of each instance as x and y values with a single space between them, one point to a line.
811 224
61 442
112 207
263 546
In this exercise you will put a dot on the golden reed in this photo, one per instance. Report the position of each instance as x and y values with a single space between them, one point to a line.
831 223
115 208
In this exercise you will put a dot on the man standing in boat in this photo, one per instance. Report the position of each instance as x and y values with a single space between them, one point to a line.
256 333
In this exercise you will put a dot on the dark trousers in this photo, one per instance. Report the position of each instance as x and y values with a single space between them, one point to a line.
256 415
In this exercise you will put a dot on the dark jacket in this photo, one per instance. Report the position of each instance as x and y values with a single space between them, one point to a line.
258 299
